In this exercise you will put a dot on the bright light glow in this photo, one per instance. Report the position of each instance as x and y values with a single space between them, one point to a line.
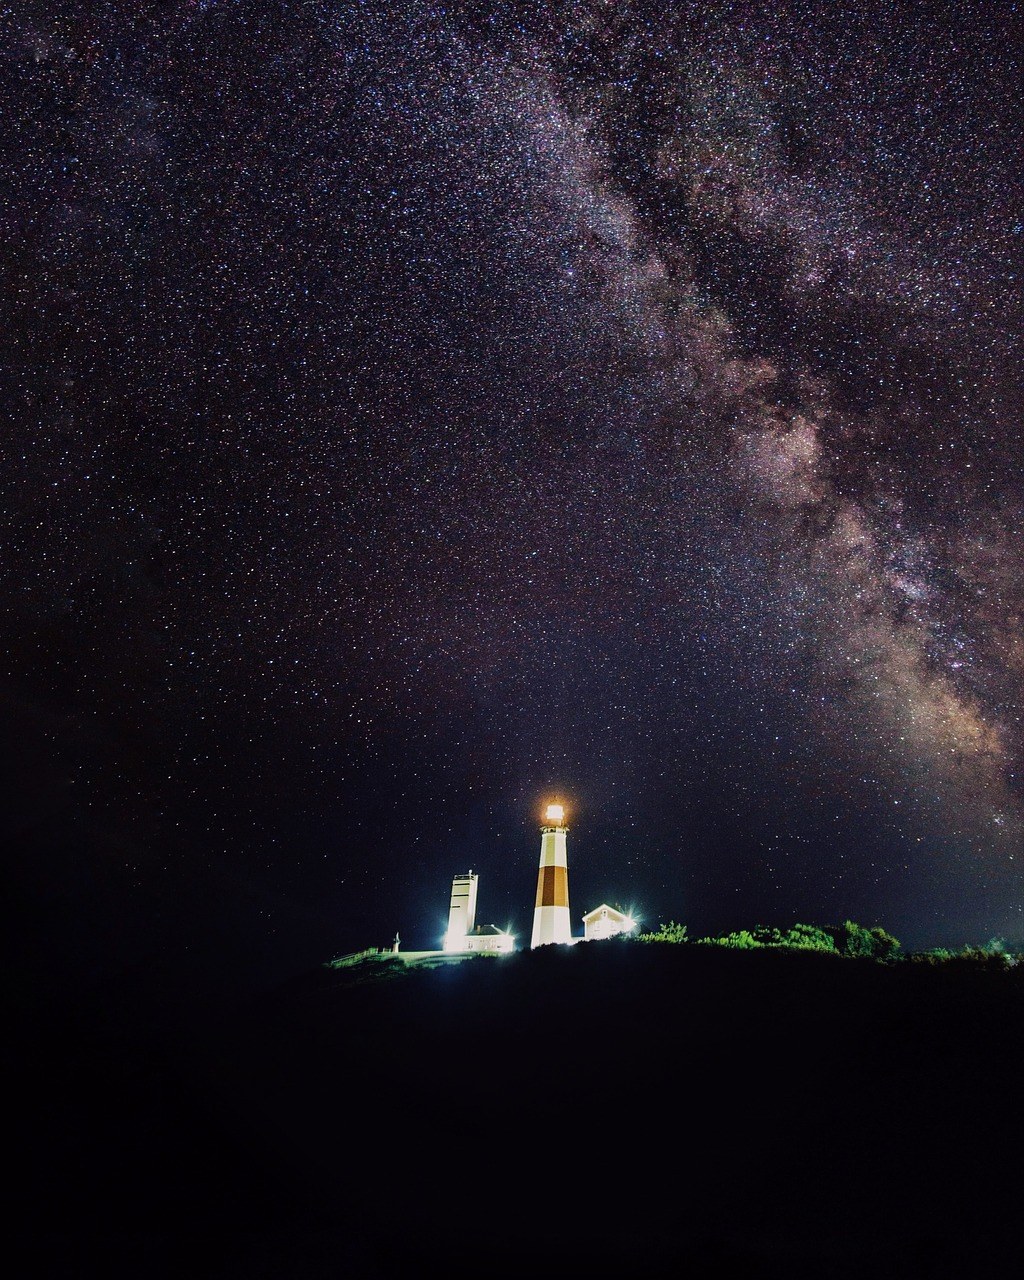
554 813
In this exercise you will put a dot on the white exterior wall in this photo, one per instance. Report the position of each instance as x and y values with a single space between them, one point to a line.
462 912
604 926
500 942
550 924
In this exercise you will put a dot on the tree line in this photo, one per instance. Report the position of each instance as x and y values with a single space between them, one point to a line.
848 939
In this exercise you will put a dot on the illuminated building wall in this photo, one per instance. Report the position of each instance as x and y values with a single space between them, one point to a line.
490 939
462 912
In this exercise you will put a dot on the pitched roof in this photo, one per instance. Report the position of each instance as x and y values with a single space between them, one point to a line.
604 907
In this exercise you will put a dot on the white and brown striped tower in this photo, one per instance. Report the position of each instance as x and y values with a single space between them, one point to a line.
551 911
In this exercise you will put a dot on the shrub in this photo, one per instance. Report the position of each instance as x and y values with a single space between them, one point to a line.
666 932
742 939
874 943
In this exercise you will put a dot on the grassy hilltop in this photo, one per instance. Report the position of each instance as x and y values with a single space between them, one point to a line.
612 1108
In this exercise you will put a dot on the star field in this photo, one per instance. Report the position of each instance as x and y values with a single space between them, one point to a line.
418 410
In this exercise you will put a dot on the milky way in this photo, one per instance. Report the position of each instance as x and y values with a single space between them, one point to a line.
417 411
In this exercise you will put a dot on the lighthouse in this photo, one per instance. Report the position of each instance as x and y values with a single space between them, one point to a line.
551 912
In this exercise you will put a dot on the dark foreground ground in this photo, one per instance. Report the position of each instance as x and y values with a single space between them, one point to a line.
611 1109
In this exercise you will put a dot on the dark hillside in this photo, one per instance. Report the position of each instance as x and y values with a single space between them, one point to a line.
605 1108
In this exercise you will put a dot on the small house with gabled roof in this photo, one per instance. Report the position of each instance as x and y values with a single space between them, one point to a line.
606 922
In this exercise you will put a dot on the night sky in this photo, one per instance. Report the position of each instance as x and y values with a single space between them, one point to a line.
415 412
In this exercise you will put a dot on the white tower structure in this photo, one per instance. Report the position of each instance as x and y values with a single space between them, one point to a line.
462 912
551 911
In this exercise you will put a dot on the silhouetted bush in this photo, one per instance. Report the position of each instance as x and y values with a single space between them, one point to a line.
666 932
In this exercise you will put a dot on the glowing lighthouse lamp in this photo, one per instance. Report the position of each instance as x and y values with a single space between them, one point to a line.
551 911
